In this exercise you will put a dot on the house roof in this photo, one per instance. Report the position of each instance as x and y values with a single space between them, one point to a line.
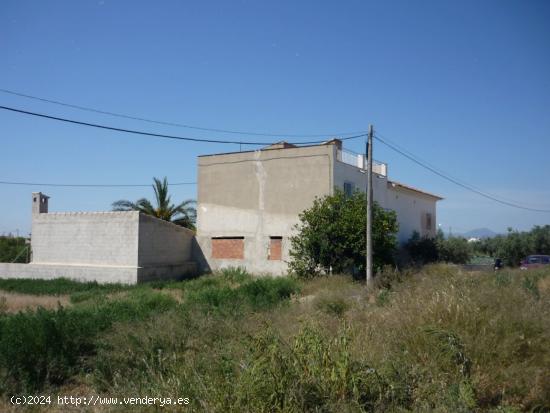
395 184
277 146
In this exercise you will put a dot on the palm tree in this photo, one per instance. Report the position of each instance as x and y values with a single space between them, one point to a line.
183 214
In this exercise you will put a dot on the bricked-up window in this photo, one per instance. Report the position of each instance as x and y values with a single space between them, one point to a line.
229 248
275 248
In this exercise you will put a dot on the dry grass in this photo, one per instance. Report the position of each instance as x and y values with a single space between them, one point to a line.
15 302
464 340
442 339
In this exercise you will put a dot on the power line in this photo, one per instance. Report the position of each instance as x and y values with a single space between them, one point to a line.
156 135
434 167
179 125
455 181
90 185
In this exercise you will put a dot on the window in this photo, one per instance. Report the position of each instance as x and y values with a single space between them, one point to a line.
348 189
229 248
545 260
429 222
275 248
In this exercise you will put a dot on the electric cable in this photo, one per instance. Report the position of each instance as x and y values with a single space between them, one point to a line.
180 125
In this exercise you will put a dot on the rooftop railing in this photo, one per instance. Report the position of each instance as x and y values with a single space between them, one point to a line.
358 160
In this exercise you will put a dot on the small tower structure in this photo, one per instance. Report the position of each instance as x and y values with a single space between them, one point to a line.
39 203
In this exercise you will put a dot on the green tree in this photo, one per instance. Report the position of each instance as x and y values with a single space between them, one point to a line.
422 250
183 214
455 250
540 239
13 249
331 236
515 246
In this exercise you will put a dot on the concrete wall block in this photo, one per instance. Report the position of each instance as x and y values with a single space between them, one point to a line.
106 238
122 275
163 243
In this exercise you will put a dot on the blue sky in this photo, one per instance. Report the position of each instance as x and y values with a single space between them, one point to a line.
464 85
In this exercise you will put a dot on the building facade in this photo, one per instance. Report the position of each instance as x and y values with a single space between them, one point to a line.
113 247
248 202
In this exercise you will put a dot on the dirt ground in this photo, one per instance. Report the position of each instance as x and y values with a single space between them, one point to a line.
14 302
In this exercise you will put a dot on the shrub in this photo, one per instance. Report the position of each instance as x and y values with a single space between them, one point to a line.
13 249
331 236
425 250
46 347
255 294
455 250
332 304
422 250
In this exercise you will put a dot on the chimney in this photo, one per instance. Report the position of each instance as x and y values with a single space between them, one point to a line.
39 203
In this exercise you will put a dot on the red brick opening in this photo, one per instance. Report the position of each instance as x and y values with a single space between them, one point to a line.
230 248
275 248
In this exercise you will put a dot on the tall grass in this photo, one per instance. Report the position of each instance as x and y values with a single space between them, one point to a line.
46 347
437 340
57 286
443 340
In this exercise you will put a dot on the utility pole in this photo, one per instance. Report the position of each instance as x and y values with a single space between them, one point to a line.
368 154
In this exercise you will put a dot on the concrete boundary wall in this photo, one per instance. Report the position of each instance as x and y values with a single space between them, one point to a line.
101 274
108 247
122 275
86 238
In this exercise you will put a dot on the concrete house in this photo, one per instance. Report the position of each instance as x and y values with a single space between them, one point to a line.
125 247
249 202
248 205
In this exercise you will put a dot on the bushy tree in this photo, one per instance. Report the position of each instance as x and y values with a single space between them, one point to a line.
454 250
424 250
331 236
515 245
13 249
540 239
421 250
181 214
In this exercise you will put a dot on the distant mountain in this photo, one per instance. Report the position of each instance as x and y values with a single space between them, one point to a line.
479 233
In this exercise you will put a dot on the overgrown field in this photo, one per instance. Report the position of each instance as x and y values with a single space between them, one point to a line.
438 339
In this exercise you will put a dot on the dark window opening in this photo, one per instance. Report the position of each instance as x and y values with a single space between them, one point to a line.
348 189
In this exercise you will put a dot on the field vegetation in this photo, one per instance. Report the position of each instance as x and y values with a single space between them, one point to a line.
435 339
13 249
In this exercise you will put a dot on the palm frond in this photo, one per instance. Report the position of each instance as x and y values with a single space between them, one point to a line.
124 205
181 214
145 206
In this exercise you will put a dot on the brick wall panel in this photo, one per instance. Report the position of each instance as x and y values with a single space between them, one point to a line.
275 249
228 248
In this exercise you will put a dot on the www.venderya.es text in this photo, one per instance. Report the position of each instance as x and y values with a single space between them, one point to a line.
95 400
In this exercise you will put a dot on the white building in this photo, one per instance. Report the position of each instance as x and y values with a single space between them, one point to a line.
249 202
